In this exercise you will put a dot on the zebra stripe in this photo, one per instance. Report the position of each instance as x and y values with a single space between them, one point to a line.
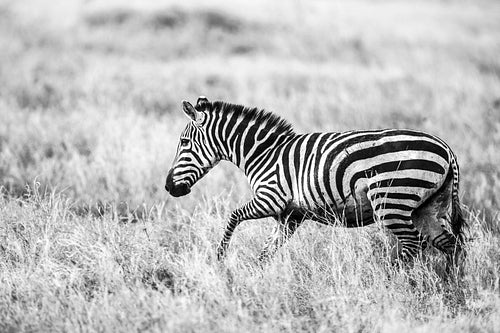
355 177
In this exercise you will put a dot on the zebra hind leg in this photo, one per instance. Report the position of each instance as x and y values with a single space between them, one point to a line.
283 230
447 243
444 241
394 212
432 220
410 243
410 240
397 217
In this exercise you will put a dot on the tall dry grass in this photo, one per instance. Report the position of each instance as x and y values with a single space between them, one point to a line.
89 122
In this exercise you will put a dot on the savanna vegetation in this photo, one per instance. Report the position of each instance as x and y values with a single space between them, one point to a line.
90 116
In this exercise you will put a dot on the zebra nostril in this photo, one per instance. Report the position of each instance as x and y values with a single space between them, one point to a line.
169 182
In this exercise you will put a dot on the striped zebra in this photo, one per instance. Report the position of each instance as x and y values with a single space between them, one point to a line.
404 179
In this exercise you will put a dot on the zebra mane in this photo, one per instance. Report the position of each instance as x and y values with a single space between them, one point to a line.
280 125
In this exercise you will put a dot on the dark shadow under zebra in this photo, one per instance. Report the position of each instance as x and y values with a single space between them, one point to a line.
406 180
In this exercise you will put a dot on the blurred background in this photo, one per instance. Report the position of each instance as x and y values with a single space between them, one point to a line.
90 91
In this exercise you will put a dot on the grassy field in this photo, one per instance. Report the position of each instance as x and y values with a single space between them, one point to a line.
90 116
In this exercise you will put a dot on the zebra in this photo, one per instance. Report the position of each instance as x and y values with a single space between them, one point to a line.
406 180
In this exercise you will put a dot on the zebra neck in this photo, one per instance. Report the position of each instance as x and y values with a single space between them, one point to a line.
248 152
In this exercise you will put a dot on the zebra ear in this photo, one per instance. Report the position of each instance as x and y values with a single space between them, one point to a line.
190 111
201 103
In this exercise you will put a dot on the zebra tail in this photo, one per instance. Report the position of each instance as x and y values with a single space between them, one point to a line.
458 222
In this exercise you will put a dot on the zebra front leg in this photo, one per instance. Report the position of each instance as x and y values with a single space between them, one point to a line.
254 209
283 230
234 221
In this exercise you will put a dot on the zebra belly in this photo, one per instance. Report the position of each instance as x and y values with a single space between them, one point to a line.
357 210
354 212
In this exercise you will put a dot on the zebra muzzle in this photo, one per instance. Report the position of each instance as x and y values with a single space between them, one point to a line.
176 190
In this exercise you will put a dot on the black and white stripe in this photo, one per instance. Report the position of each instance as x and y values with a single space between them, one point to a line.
407 180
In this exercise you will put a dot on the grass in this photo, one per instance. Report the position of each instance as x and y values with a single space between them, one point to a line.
89 122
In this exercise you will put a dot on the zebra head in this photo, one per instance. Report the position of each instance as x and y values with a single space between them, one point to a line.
195 156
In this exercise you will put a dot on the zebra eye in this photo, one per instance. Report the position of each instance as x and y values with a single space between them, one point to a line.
184 142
